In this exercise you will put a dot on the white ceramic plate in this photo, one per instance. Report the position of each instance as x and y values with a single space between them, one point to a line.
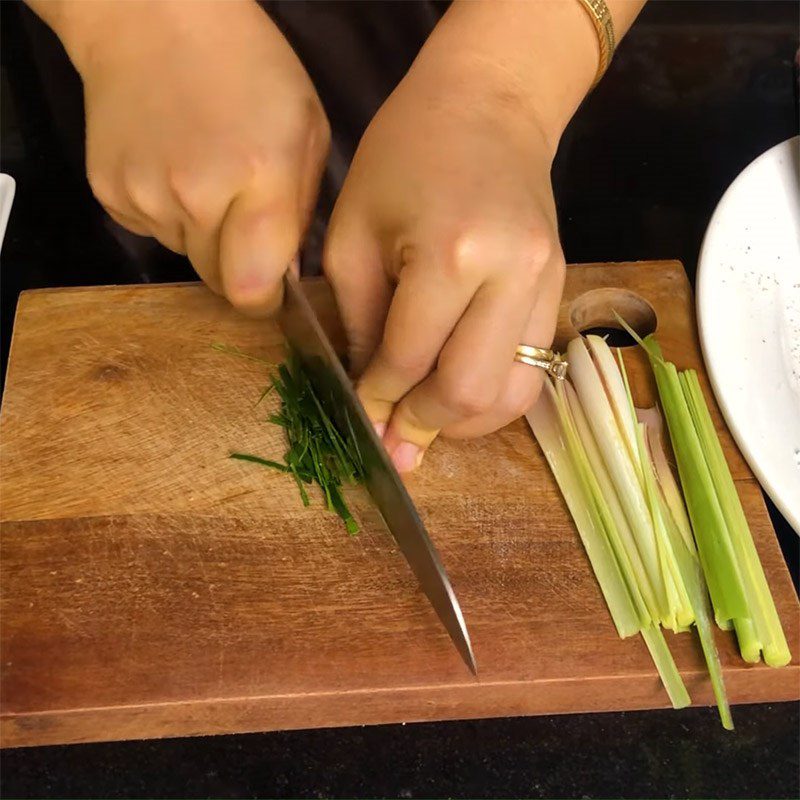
7 187
748 306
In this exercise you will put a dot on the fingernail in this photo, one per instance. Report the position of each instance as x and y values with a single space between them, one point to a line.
380 428
407 456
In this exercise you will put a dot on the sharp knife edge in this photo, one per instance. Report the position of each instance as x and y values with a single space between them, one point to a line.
307 337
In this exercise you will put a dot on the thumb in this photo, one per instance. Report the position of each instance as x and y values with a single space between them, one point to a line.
258 240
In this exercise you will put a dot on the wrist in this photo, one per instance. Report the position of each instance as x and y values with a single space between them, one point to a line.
541 55
84 27
477 87
97 31
472 93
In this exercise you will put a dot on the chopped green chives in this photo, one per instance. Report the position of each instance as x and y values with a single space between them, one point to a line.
318 452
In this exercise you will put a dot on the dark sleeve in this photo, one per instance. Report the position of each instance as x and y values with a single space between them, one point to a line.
355 54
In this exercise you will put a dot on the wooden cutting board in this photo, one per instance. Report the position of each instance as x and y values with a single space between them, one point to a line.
153 587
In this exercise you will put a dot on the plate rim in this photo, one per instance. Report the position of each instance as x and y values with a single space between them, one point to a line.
792 516
8 190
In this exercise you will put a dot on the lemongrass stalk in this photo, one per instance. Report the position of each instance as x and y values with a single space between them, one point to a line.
666 480
547 422
616 391
680 608
690 577
764 615
748 633
750 643
594 400
681 616
554 429
670 619
705 630
671 397
665 664
591 489
708 522
617 529
678 614
697 592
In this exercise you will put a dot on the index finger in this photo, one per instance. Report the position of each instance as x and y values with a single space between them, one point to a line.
470 374
425 309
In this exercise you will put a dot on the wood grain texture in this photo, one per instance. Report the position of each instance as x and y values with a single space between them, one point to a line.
152 587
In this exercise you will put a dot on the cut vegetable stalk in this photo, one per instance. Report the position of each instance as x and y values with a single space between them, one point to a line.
682 610
619 533
616 494
763 616
666 480
696 592
555 427
708 523
665 664
621 469
546 421
730 562
615 382
652 456
678 613
681 557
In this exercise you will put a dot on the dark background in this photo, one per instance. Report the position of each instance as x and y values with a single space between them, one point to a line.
697 90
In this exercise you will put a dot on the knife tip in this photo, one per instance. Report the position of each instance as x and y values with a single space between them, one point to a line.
465 649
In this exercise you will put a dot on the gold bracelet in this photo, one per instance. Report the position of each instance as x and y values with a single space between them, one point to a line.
604 25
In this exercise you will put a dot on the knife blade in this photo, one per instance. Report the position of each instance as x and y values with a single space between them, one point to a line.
311 344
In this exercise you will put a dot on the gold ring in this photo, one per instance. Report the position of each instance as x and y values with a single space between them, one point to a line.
553 364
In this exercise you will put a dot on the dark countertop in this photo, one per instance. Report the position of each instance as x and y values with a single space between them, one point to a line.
643 754
697 90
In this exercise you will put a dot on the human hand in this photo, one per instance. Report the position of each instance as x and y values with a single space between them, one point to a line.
443 252
204 131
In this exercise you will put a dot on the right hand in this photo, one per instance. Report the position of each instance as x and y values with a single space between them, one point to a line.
204 131
443 252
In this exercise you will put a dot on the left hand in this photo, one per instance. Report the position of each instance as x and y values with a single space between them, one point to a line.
443 253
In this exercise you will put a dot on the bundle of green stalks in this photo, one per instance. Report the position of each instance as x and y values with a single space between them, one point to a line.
658 551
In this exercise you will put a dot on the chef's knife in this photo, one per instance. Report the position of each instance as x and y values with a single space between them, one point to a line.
311 344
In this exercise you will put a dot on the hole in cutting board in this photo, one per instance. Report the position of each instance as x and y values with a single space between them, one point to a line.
593 312
615 337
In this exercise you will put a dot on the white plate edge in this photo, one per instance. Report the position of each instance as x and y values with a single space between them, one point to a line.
791 517
7 194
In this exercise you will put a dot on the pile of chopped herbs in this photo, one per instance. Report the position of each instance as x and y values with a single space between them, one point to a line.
319 452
